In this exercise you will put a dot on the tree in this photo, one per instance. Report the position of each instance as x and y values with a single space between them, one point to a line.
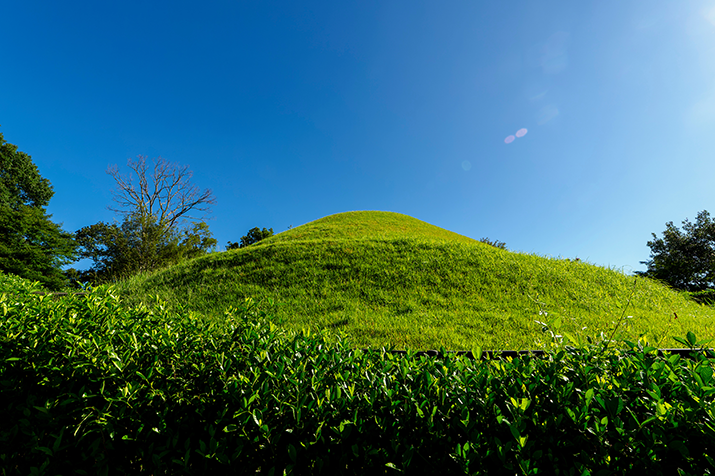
121 251
157 228
684 259
31 246
254 236
109 250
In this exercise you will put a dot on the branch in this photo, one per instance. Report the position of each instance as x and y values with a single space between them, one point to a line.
167 195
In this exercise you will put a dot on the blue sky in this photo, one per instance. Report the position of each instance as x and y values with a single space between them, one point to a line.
291 111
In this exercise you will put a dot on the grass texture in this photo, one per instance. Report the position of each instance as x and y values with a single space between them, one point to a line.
387 279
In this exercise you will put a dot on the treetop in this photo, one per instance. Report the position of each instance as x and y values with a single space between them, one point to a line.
20 180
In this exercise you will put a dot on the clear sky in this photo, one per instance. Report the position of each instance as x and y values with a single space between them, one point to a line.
291 111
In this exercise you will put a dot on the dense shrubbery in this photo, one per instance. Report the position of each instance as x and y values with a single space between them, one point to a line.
87 385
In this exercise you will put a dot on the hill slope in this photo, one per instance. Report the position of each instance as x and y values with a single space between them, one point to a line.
389 279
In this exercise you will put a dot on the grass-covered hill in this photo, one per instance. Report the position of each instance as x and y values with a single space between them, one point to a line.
388 279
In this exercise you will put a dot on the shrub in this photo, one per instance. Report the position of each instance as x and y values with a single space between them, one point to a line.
87 385
495 243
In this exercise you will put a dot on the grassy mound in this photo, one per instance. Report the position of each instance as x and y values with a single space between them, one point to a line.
389 279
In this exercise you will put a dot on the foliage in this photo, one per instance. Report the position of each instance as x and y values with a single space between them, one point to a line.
388 279
684 259
138 245
495 243
196 241
31 245
15 285
254 235
148 391
706 296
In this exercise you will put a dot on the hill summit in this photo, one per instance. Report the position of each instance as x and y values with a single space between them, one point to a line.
361 225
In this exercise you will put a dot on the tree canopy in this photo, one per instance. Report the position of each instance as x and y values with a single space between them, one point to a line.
684 259
119 251
31 246
254 235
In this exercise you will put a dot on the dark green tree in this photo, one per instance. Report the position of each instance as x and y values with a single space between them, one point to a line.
254 236
119 251
107 247
684 259
31 246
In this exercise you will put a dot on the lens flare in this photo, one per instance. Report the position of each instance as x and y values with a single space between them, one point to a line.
521 132
466 165
509 140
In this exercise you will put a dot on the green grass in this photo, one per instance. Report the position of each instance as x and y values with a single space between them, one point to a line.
386 279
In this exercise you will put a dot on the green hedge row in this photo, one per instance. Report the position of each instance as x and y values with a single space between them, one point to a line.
88 386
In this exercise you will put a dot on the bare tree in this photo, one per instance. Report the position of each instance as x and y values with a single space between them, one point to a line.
165 194
156 204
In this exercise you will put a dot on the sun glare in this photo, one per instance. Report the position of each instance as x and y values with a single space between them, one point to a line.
709 15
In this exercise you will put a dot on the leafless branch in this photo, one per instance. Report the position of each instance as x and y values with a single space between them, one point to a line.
165 194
